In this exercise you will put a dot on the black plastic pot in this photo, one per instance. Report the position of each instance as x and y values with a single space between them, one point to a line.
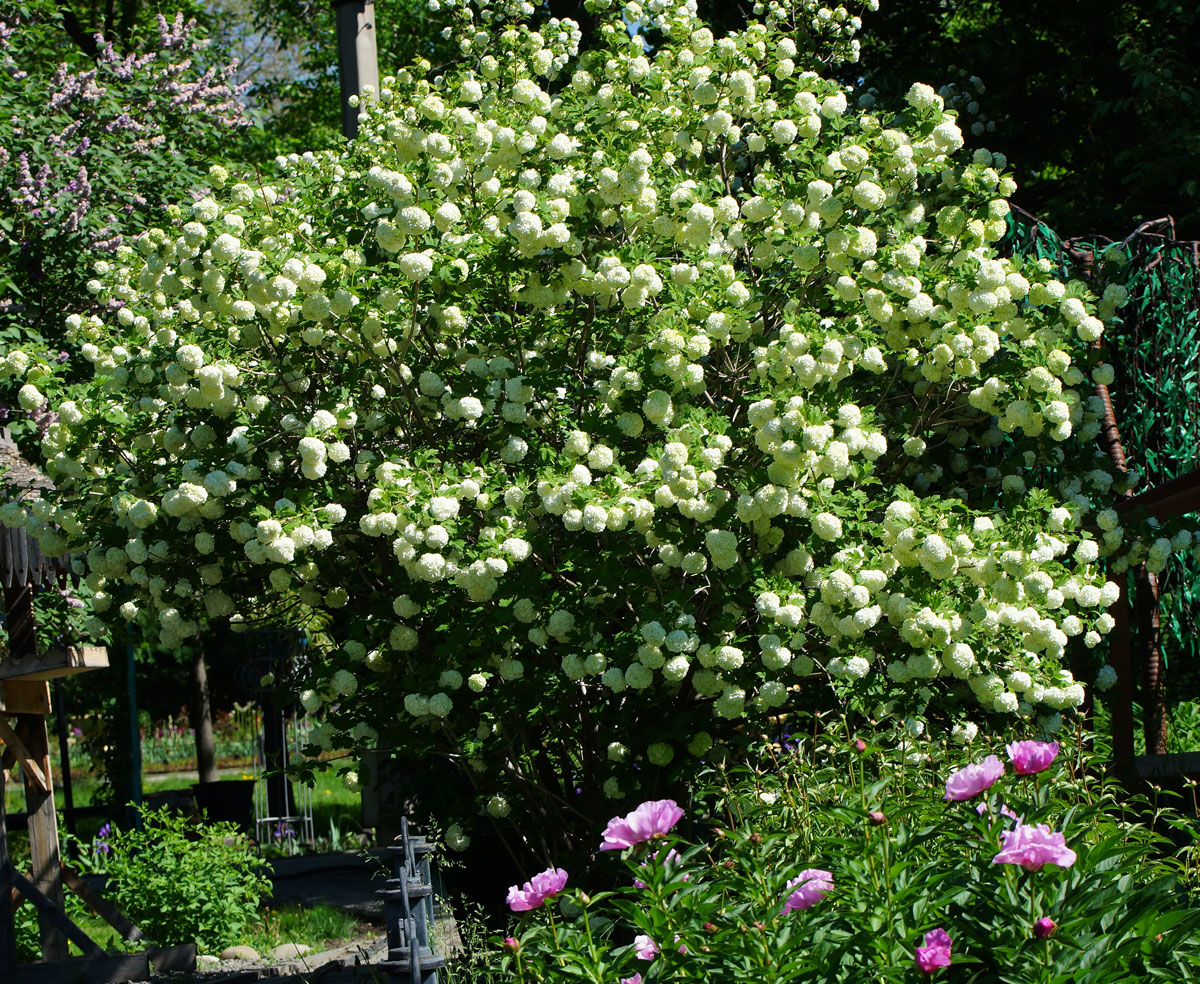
231 800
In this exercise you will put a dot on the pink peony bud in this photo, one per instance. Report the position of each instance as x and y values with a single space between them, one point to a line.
935 953
1029 757
811 885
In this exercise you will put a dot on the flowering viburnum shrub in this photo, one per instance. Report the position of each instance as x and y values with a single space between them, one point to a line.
603 400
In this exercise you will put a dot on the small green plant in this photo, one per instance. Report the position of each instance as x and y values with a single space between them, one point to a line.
463 941
181 881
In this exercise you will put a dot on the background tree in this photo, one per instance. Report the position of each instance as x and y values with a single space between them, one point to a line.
300 97
1096 104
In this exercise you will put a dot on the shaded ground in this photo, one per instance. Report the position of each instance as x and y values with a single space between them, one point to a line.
347 880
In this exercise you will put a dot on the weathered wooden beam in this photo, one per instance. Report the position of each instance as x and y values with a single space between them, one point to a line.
61 662
93 970
8 934
43 835
1154 705
165 959
1177 497
1168 766
28 763
24 697
39 795
54 914
101 906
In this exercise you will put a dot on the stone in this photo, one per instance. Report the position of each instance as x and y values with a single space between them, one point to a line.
290 951
240 953
206 961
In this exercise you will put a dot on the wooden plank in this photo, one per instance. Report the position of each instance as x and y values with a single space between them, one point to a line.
43 836
28 762
54 914
1176 497
24 697
92 970
55 663
181 957
101 906
1168 765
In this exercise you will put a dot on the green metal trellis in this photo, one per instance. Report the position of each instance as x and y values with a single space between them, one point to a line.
1156 403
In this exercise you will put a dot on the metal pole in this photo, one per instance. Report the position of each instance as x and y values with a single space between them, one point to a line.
135 736
1121 657
64 753
357 64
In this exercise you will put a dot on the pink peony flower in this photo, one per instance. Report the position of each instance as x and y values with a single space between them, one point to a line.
1044 927
537 890
649 821
1029 757
814 884
645 947
973 779
1033 845
936 951
635 979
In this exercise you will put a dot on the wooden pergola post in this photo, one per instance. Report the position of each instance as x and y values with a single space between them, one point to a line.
8 931
357 62
1177 497
33 752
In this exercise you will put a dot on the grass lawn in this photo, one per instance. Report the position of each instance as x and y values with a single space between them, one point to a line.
334 806
321 927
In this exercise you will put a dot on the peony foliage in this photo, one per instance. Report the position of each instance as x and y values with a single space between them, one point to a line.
602 402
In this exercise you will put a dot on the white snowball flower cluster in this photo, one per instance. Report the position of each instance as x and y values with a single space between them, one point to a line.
641 388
